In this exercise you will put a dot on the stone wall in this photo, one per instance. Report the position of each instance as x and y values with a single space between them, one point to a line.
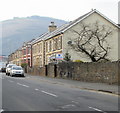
37 71
104 72
50 70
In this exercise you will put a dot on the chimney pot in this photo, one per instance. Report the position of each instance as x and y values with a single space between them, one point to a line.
52 27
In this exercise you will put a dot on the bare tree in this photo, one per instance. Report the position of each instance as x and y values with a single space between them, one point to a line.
92 41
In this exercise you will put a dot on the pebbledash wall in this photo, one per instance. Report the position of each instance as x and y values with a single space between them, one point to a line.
102 72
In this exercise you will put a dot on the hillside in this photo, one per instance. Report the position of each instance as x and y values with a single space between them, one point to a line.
19 30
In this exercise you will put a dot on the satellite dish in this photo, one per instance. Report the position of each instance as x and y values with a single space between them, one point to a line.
69 42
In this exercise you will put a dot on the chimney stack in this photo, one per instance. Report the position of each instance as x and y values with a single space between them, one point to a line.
52 27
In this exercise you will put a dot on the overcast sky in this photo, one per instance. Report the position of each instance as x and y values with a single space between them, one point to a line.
61 9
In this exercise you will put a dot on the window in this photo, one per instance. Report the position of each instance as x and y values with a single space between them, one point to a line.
50 46
41 48
40 60
28 62
28 50
24 51
38 48
37 62
55 44
46 46
60 42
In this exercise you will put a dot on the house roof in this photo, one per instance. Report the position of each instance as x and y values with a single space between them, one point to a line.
67 26
40 38
85 16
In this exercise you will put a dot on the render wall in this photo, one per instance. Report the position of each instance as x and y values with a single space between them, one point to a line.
70 35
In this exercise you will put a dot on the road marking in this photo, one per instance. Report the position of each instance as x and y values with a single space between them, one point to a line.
10 81
22 85
37 89
75 102
67 106
49 94
96 109
1 110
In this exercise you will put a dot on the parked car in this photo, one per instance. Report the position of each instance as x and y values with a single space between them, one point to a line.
8 68
0 69
17 71
2 66
3 69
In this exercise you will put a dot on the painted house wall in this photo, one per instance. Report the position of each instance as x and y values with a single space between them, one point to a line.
53 46
38 54
26 54
113 40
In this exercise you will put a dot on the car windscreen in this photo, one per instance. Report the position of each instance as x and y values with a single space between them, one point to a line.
10 66
17 68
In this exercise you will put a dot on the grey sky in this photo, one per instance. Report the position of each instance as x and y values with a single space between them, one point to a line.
61 9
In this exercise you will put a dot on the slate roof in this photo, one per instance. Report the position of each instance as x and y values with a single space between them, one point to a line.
66 26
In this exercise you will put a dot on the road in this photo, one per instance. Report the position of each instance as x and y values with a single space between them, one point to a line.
34 94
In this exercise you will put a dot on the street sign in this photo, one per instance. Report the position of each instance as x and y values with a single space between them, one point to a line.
59 56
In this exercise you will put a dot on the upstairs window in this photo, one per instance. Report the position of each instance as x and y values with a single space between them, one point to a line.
50 45
46 46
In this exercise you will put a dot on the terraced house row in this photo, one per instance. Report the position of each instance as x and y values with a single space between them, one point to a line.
52 45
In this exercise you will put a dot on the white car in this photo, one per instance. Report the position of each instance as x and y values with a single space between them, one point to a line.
17 71
8 68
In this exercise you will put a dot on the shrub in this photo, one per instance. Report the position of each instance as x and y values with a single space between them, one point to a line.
67 57
78 61
23 65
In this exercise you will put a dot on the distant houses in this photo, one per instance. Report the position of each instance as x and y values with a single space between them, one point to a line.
52 45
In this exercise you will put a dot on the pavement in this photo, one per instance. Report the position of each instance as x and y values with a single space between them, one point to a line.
101 87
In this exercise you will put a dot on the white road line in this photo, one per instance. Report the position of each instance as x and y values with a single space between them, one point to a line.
1 110
10 81
37 89
67 106
96 109
49 94
22 85
75 102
